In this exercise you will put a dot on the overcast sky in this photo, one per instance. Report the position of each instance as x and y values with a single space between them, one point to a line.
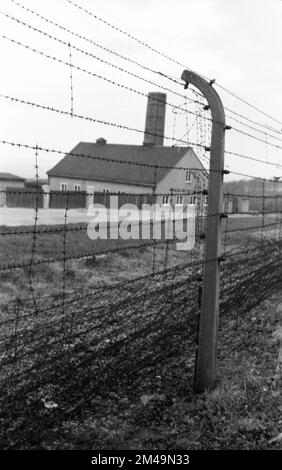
237 42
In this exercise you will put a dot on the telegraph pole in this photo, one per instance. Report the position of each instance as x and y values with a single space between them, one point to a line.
205 371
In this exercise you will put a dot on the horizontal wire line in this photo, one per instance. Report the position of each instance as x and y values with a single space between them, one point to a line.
254 159
125 162
94 157
135 246
129 60
113 250
55 230
125 87
265 126
88 12
29 10
249 104
100 288
266 134
261 227
198 93
172 192
89 54
259 196
249 250
91 254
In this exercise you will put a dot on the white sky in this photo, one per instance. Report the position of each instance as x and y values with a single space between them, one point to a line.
238 42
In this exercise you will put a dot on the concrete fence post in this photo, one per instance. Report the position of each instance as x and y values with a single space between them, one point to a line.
205 370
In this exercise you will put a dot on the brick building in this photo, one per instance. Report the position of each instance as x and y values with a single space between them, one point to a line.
150 168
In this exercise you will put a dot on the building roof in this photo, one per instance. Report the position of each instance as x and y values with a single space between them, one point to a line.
101 162
10 176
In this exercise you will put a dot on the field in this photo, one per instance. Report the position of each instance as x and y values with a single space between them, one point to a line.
15 217
98 343
108 260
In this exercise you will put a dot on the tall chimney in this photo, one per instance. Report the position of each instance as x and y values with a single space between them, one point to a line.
155 119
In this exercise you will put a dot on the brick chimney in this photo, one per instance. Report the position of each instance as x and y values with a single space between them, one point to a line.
155 119
101 141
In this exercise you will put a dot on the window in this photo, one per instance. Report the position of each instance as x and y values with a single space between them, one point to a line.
77 187
179 199
188 176
205 200
192 199
165 199
105 190
64 187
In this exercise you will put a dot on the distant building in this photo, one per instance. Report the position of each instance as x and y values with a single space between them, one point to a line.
254 187
258 194
8 180
20 192
150 168
79 173
33 183
236 204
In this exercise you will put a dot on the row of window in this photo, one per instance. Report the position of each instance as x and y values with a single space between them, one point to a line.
64 187
167 199
77 188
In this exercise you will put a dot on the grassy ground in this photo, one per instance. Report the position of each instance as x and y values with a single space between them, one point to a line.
78 274
53 242
243 412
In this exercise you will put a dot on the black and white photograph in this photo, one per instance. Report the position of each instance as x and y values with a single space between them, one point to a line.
140 232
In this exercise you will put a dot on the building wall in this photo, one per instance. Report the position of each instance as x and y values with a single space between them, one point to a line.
55 185
11 184
228 205
4 184
235 204
253 187
243 205
270 189
175 180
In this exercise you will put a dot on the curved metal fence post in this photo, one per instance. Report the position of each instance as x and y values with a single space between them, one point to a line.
205 371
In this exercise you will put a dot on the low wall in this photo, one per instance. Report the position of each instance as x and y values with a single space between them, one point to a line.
23 197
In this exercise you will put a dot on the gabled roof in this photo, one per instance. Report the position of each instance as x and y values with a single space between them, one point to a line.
10 176
101 162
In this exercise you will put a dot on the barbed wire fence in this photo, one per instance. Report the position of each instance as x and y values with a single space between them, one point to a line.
83 318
